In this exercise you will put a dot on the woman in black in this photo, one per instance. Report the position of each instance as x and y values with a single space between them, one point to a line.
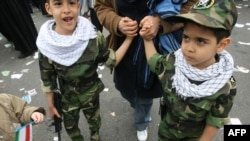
133 88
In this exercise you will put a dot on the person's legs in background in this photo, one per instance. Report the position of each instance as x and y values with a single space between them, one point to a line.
6 34
84 9
24 28
28 4
127 86
142 117
130 98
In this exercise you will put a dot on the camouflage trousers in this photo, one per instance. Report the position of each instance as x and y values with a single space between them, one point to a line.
90 106
171 130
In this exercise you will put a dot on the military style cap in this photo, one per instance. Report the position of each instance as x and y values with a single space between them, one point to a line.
211 13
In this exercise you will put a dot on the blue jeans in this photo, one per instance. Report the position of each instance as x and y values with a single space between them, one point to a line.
142 113
142 108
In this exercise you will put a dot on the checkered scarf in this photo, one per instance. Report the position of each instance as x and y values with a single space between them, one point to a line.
214 76
63 49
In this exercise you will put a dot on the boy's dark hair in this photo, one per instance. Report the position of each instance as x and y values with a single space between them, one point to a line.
220 33
217 14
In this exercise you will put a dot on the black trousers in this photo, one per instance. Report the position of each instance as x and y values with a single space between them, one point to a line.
17 25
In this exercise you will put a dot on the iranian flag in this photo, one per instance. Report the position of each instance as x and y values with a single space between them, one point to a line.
24 133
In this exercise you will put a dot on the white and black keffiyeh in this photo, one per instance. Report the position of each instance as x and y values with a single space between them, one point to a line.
62 49
214 76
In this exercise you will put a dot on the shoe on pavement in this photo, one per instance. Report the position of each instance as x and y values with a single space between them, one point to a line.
9 45
142 135
21 56
150 119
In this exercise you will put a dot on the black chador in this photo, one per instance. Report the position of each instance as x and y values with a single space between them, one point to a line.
17 25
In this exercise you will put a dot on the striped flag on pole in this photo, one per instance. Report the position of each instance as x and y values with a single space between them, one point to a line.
24 133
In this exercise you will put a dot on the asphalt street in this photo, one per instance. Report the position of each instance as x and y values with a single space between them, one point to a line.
18 76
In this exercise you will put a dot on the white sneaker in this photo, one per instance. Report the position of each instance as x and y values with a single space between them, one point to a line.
150 119
142 135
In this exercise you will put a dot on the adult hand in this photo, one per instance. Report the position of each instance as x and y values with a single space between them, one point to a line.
37 117
128 27
152 25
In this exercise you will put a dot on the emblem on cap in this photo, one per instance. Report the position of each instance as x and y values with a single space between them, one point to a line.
203 4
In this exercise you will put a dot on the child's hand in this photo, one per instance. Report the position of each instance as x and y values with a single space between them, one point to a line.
149 27
145 29
37 117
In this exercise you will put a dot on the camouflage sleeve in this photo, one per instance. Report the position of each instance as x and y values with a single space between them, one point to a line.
48 74
161 63
223 105
111 59
103 53
106 55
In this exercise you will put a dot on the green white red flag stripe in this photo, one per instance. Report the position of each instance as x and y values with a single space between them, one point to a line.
24 133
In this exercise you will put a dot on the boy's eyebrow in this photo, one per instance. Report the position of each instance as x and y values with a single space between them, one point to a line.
197 37
56 0
202 38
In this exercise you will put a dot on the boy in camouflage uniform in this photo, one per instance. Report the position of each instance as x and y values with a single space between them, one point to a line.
197 79
70 49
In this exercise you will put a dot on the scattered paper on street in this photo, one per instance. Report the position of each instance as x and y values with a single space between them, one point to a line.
32 92
16 76
5 73
242 69
112 114
243 43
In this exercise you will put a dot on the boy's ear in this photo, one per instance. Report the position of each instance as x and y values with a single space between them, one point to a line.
47 7
223 44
